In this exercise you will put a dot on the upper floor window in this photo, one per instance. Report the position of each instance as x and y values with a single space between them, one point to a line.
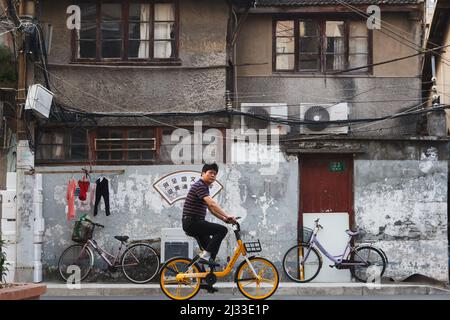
127 30
319 45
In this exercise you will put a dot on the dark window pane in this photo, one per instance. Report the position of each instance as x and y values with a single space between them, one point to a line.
79 136
102 155
79 153
308 28
134 155
111 12
112 49
116 155
88 31
88 12
148 155
139 31
139 12
148 133
309 61
87 49
111 31
309 45
134 134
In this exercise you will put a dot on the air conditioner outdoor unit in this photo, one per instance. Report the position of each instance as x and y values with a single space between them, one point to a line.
39 99
266 111
175 243
323 113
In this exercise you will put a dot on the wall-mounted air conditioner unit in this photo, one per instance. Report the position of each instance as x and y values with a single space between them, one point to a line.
265 111
175 243
39 99
322 113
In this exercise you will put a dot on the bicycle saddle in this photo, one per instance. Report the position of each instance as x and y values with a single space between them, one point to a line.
122 238
352 233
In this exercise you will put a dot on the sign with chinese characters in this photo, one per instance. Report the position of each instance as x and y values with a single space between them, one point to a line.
337 166
176 185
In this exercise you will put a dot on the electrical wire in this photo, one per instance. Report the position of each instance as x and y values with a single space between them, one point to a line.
403 39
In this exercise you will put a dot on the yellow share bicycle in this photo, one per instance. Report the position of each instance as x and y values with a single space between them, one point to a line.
256 278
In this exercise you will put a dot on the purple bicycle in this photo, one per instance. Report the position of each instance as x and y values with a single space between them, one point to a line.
302 262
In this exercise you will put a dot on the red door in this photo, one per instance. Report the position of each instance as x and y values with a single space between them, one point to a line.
326 184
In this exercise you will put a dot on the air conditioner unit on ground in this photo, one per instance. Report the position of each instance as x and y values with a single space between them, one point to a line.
323 113
265 110
175 243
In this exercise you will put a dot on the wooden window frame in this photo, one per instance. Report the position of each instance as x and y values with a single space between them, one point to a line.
92 153
66 145
124 59
321 20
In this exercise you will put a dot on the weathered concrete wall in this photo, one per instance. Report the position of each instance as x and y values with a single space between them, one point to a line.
254 46
402 207
198 84
268 205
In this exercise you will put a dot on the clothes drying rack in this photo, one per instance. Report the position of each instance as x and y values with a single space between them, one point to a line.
33 171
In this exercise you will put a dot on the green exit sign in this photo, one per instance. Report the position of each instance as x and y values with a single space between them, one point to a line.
337 166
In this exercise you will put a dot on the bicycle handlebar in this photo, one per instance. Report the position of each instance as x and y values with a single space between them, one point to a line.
95 224
317 223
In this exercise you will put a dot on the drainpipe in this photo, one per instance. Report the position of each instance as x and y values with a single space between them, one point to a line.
38 228
435 95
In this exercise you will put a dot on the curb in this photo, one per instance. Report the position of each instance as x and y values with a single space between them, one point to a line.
284 289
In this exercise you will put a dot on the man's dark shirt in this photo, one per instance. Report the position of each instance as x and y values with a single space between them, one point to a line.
194 204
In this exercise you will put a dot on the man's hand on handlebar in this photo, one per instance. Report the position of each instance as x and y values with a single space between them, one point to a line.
231 220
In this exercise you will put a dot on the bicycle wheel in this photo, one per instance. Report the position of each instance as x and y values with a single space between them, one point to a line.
175 289
140 263
75 256
373 264
257 288
297 270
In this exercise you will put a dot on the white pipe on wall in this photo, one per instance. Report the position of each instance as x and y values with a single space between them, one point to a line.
38 228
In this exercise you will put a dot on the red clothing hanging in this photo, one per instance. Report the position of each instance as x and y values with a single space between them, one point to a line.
70 197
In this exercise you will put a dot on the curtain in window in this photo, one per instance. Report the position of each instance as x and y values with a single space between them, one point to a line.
144 46
164 17
339 59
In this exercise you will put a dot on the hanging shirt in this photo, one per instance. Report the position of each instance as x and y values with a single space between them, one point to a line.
70 197
84 188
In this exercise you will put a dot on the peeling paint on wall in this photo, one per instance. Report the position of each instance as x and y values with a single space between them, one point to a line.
138 210
403 204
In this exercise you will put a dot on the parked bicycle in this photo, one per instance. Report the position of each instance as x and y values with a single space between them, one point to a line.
139 261
256 277
302 262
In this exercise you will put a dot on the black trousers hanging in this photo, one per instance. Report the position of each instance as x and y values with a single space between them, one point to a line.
102 190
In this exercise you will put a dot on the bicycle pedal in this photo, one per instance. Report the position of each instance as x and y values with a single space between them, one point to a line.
209 288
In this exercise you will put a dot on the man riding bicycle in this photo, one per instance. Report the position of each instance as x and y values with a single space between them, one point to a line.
210 235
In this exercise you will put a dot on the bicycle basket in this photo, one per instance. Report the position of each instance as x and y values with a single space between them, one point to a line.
306 235
82 231
252 246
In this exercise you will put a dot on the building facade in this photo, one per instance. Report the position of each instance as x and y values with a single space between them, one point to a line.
349 141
